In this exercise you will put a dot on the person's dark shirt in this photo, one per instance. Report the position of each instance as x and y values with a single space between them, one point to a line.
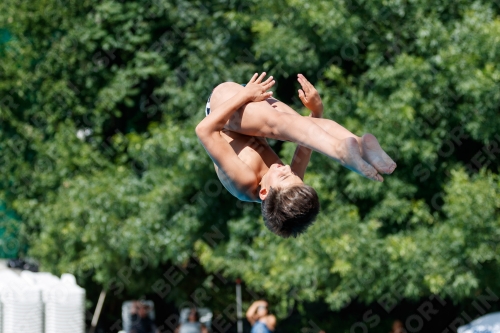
142 325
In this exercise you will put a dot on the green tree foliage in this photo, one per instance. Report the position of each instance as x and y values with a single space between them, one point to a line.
98 103
9 233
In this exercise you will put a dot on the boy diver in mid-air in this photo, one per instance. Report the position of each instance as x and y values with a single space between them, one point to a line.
240 117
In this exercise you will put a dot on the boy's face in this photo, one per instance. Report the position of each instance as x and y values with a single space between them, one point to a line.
278 176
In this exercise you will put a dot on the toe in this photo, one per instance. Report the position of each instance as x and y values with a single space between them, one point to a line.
392 167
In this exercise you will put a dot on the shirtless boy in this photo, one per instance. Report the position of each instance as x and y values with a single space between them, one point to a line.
238 120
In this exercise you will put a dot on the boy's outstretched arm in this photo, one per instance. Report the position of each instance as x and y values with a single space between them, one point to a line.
310 98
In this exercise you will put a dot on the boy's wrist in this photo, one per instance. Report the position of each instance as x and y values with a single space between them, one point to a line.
317 113
247 96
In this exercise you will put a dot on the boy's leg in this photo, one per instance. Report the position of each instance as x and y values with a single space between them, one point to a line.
261 119
258 118
332 127
370 148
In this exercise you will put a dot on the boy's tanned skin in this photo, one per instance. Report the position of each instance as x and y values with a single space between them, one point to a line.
241 118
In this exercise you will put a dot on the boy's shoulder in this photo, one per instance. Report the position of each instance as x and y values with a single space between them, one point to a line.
241 184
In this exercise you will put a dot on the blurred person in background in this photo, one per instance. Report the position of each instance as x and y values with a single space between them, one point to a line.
193 324
260 319
397 327
141 322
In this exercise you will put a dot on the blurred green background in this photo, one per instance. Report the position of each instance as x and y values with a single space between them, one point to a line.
103 176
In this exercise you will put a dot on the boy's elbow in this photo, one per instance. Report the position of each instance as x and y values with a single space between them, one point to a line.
201 130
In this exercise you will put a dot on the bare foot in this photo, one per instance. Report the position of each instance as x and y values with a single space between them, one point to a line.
375 155
352 160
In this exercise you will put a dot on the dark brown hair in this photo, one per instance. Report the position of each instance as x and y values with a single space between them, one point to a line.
195 313
289 211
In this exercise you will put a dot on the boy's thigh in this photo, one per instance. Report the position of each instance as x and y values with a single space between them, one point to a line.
281 107
226 90
254 119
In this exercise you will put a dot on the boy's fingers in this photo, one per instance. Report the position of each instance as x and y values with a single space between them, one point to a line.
303 84
306 81
269 79
259 80
309 84
252 80
303 78
265 96
302 96
268 85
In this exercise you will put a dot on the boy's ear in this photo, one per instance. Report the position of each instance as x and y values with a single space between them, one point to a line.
263 193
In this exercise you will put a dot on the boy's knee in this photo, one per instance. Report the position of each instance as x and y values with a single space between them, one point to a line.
223 92
227 89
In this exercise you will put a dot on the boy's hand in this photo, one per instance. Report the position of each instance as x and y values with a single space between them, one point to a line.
261 303
256 90
310 97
